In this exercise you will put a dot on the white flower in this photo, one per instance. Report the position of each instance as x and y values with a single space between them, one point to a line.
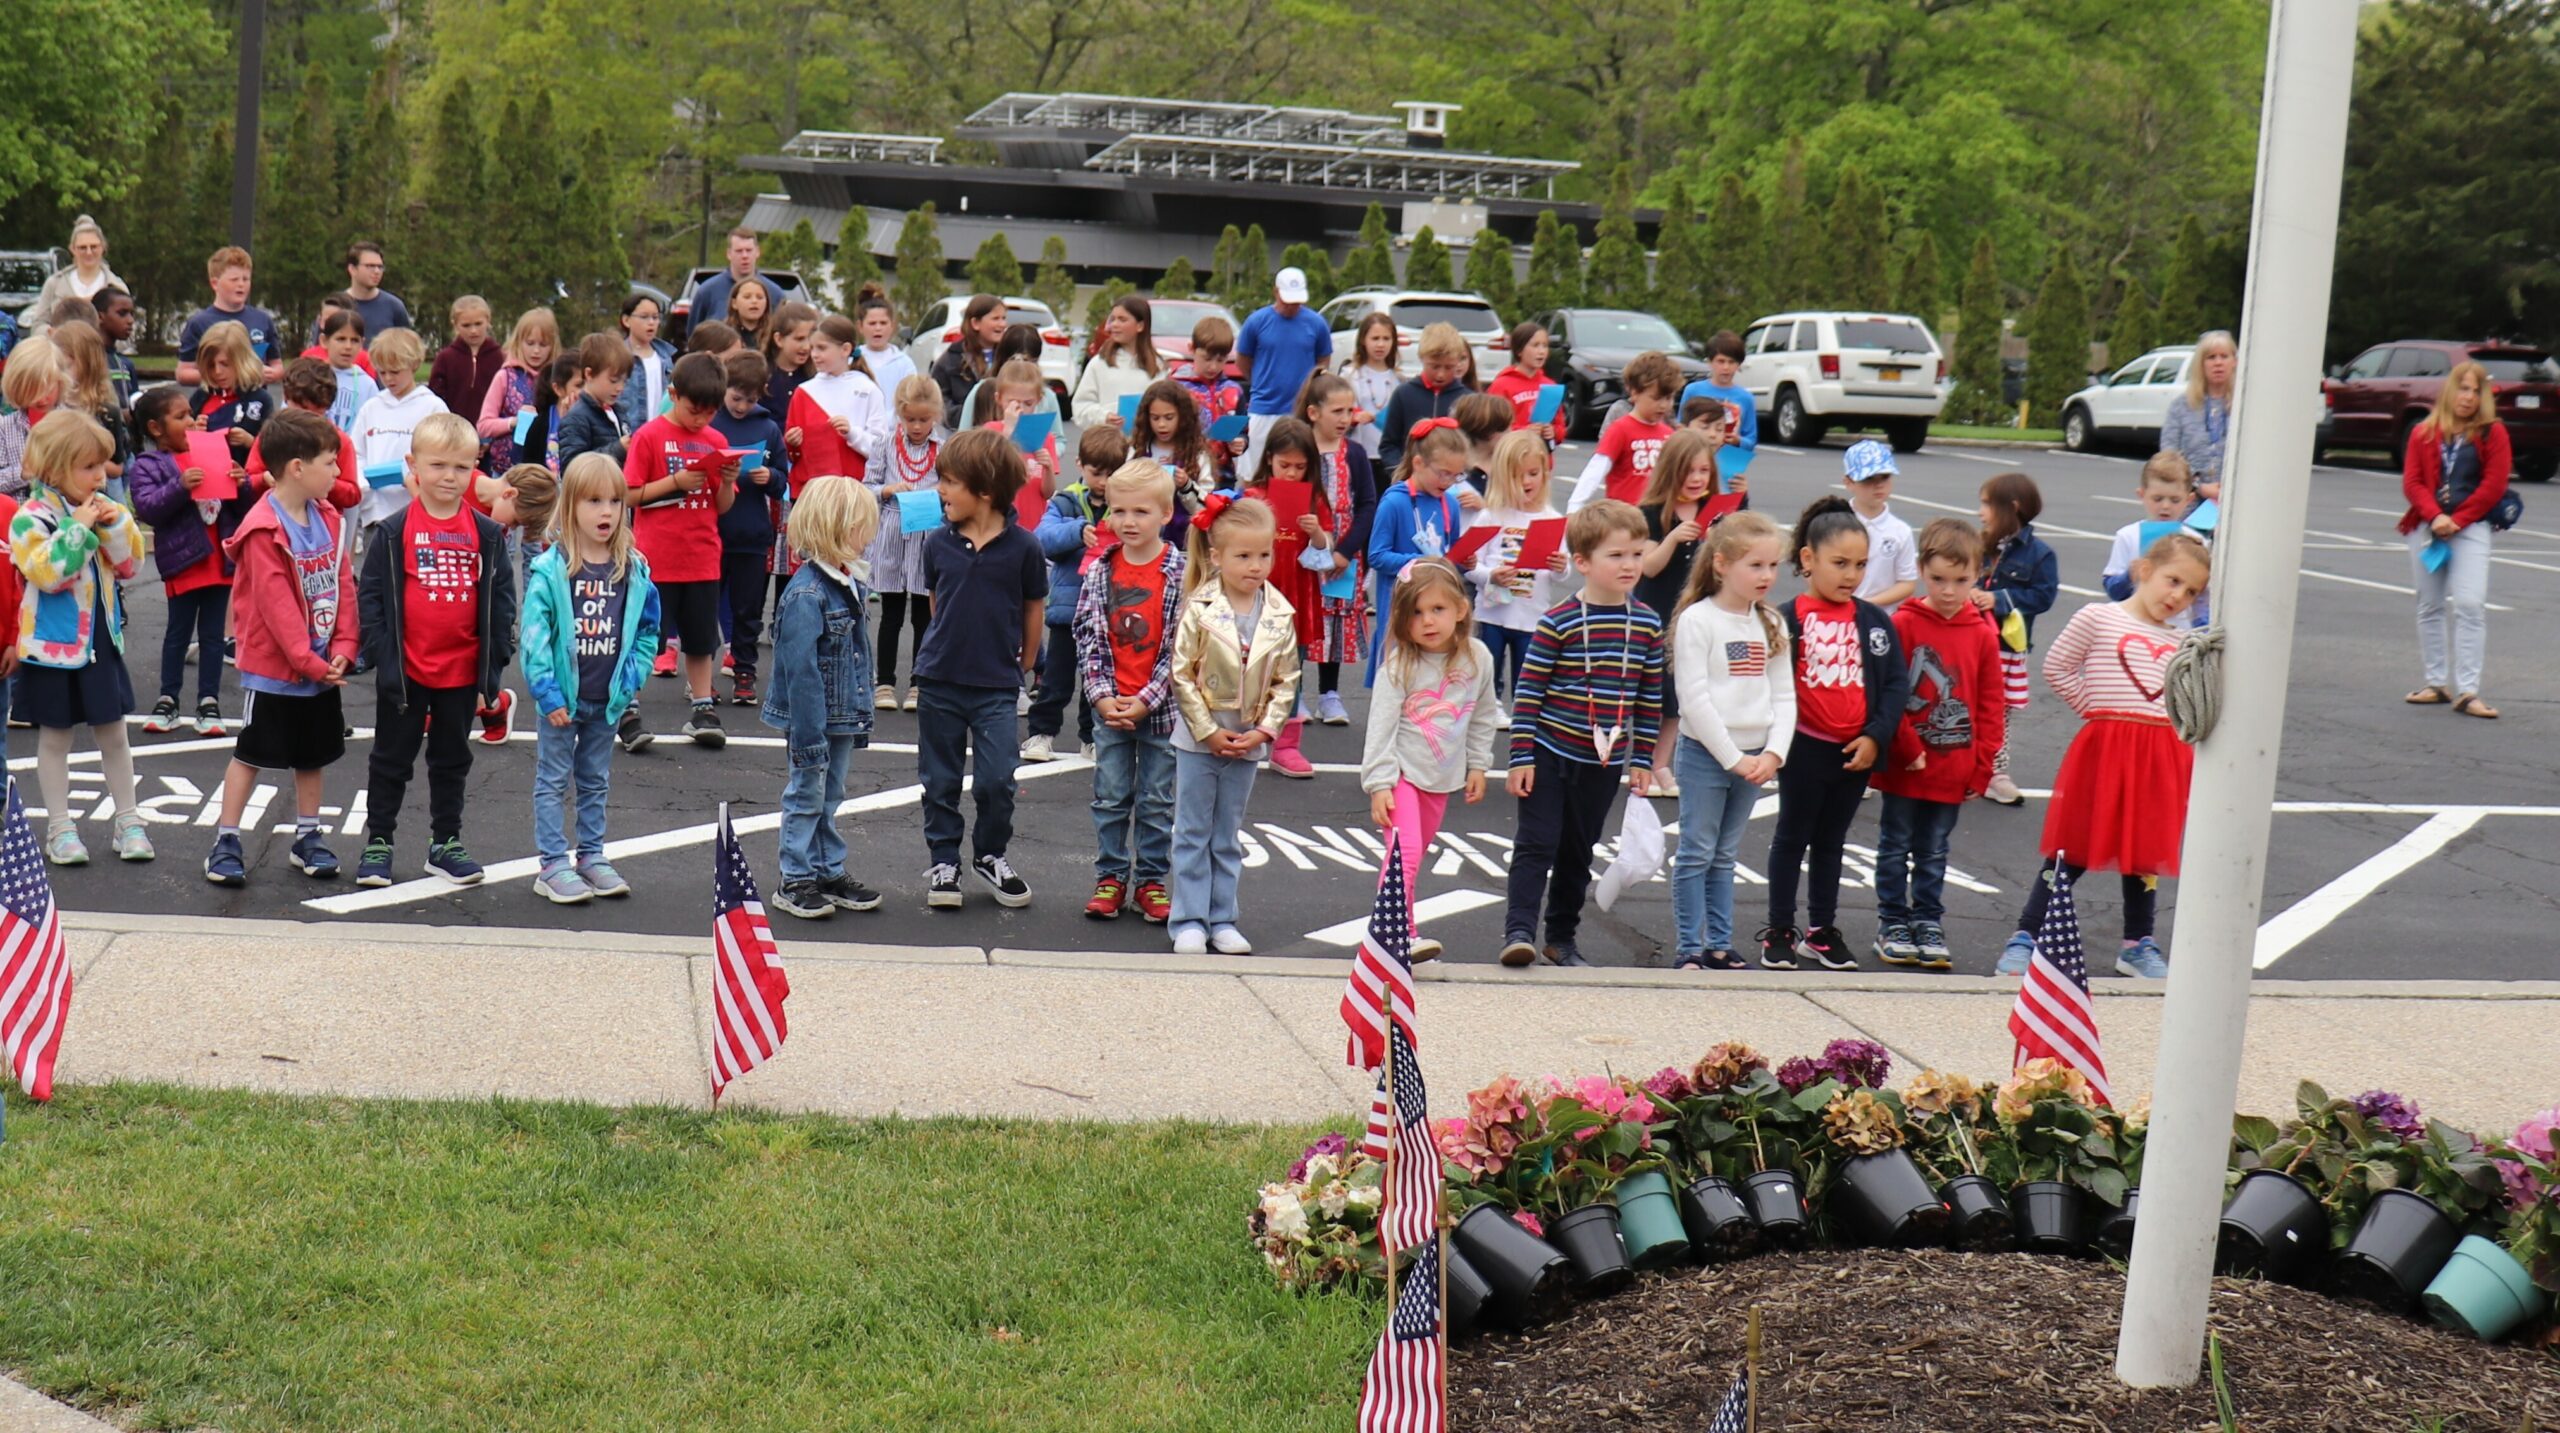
1366 1198
1331 1201
1320 1170
1284 1217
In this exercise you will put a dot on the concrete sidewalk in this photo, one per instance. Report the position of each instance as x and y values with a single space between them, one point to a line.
388 1010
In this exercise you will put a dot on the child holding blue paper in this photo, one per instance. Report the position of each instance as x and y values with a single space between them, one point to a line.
747 528
1071 535
897 554
1416 517
1332 410
2167 489
530 347
1122 366
1173 433
1019 389
384 423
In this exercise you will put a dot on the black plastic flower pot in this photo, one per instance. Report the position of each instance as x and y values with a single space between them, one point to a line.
2115 1230
2051 1218
1469 1294
2398 1250
1776 1200
1529 1276
1977 1217
2273 1228
1720 1225
1589 1237
1887 1200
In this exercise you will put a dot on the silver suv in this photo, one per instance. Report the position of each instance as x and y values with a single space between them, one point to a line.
1815 371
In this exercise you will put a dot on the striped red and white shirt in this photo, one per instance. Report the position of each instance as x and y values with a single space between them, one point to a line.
2109 662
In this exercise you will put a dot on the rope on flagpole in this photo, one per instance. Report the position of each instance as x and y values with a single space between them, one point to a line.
2192 685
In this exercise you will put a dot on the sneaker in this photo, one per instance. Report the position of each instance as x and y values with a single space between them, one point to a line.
132 842
209 718
1227 940
1329 710
805 899
1777 947
665 666
231 651
848 894
1665 787
1518 950
1190 938
1040 748
1826 945
2015 955
1722 960
2005 792
1155 907
62 844
602 878
884 699
1894 945
563 886
163 718
742 692
998 873
1424 948
499 721
2143 958
1932 940
703 726
312 858
448 859
942 888
224 865
373 868
915 698
1565 953
632 733
728 661
1023 699
1108 896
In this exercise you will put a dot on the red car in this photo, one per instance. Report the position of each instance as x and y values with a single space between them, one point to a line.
2375 399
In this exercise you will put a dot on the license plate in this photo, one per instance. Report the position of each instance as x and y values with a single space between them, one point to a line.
2528 400
1891 375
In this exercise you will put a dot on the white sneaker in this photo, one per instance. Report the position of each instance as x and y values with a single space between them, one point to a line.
2004 791
1190 940
884 699
1665 785
1227 940
1329 710
1040 748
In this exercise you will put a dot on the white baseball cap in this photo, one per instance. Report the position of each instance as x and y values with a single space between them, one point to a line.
1291 285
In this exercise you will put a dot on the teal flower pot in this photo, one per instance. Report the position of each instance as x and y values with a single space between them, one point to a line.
1649 1220
2482 1291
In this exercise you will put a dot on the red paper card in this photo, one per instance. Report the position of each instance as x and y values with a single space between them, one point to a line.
1472 541
1545 536
1289 502
1722 505
212 452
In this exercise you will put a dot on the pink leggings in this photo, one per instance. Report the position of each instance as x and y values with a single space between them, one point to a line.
1415 821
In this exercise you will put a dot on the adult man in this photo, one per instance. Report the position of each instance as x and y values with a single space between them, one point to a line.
381 308
711 301
1282 344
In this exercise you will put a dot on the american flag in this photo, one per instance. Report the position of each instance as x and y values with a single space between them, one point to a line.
1746 659
35 969
749 986
2053 1018
1402 1392
1412 1212
1735 1411
1381 1123
1380 991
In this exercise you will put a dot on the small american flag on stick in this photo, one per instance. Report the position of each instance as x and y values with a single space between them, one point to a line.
35 969
2053 1018
1402 1392
748 983
1380 991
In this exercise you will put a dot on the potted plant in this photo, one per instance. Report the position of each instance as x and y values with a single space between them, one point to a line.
2133 1135
2438 1178
2276 1225
1945 1115
1706 1144
1775 1121
1318 1228
2485 1289
1875 1183
2063 1144
1591 1136
1481 1164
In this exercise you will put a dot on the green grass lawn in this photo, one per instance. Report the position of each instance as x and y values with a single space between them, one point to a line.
2047 436
258 1263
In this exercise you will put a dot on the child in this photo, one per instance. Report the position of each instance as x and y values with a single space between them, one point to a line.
897 556
590 629
786 355
1893 569
714 338
1431 393
1509 599
553 400
187 540
115 325
593 424
1350 490
2120 799
89 387
330 307
467 365
753 319
73 545
988 583
1204 374
1518 383
535 496
1069 534
1373 377
1941 756
1621 467
1588 697
1173 436
384 425
438 619
2166 488
1742 412
1128 607
227 271
1432 720
681 483
1483 418
1018 391
1851 684
1674 508
530 346
888 364
297 640
33 382
1124 362
746 525
310 386
1235 678
2021 578
342 345
822 662
838 418
227 403
1416 517
1737 719
1284 478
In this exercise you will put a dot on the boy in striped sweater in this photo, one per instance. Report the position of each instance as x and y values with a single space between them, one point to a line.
1588 695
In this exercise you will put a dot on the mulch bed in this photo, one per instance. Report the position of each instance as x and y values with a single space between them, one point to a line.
1938 1342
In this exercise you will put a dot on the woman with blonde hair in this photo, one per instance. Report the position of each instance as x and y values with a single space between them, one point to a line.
2200 419
87 277
2454 476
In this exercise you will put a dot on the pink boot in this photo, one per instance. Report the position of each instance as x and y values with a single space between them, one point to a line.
1286 759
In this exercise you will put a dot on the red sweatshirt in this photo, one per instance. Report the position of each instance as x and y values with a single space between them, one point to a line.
1957 716
345 493
2423 473
271 607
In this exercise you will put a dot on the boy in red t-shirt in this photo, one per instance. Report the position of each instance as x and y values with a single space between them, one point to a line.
680 481
1622 465
1124 624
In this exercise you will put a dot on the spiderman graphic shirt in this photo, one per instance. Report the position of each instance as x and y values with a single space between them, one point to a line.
440 599
1136 622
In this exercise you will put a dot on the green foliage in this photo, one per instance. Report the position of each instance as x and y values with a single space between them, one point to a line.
2130 336
1103 298
1224 262
1921 288
1180 281
376 172
1555 267
1322 283
1977 396
794 248
1616 276
1253 270
1489 273
857 268
1372 262
2061 1140
919 283
1856 248
443 244
2182 313
994 269
1053 285
2057 340
76 81
595 268
1737 261
1794 270
161 233
1426 264
1679 272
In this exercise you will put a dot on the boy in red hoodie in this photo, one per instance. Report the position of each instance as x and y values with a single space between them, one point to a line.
297 634
681 479
1951 727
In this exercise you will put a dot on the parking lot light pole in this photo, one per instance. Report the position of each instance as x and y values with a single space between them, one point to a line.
244 120
2293 238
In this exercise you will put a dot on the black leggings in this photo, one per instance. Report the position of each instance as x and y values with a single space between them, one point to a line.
2141 901
1328 677
197 615
894 611
1817 799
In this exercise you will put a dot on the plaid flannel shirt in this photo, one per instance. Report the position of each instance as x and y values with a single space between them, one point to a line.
1093 640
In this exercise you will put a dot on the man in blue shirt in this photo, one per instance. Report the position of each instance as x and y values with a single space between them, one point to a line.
711 300
1282 345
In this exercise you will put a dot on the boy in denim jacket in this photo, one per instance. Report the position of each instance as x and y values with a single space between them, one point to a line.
821 692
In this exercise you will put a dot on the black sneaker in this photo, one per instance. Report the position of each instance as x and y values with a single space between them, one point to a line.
704 727
1519 951
1722 960
632 733
1565 953
1777 947
1827 945
999 874
805 899
848 894
1895 945
942 888
163 718
374 867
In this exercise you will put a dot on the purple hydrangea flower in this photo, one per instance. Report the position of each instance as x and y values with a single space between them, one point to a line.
1332 1144
1857 1063
1669 1083
1798 1074
2392 1114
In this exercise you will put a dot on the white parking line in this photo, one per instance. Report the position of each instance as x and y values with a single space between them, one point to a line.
1447 903
2312 914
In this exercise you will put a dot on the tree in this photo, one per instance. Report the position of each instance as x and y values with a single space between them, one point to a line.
377 167
596 268
1110 293
1426 264
1860 276
1787 276
1224 260
1489 272
449 209
1921 290
1977 354
857 268
1053 285
2131 335
298 246
1737 263
2182 313
2057 341
1253 269
1555 267
919 284
76 124
1322 283
1616 277
1679 271
1301 256
1372 262
994 269
1180 281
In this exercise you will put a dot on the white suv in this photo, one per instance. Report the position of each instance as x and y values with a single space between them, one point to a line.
940 328
1812 372
2129 405
1414 310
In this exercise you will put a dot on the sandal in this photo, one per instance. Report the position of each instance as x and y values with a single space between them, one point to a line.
2428 697
1694 960
2470 705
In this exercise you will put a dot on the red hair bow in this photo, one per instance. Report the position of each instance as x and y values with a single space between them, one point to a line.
1427 424
1210 506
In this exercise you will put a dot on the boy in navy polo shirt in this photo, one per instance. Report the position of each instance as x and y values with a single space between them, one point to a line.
227 272
989 583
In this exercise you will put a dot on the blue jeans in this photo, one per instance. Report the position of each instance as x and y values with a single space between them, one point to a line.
581 752
1510 647
1209 793
811 844
1132 775
1715 809
949 721
1911 847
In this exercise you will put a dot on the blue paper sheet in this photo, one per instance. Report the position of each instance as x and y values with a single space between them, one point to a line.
2206 517
1227 429
919 512
2437 554
750 457
2152 532
1550 400
1031 430
1129 411
1732 461
385 475
524 423
1344 584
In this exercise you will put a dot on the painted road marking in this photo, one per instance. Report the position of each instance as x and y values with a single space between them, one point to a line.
2313 913
1448 903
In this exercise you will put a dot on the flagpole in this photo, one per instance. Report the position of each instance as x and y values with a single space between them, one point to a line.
1441 1235
711 1071
2293 237
1751 1373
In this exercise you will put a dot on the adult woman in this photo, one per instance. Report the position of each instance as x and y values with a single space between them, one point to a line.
2455 472
652 358
970 359
1122 366
2199 420
1022 340
88 274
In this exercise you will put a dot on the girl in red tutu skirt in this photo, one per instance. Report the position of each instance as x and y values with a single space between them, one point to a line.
2120 800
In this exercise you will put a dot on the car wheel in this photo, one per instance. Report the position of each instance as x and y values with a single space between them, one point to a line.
2400 444
1795 427
1581 422
1907 434
2079 435
2537 467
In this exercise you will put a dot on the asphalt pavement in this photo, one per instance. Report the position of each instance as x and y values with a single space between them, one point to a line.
2408 843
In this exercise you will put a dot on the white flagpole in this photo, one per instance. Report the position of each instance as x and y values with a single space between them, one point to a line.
2257 567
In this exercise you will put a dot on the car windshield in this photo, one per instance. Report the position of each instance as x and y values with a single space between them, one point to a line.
1894 335
1036 314
22 276
2518 365
1175 318
1626 330
1464 317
